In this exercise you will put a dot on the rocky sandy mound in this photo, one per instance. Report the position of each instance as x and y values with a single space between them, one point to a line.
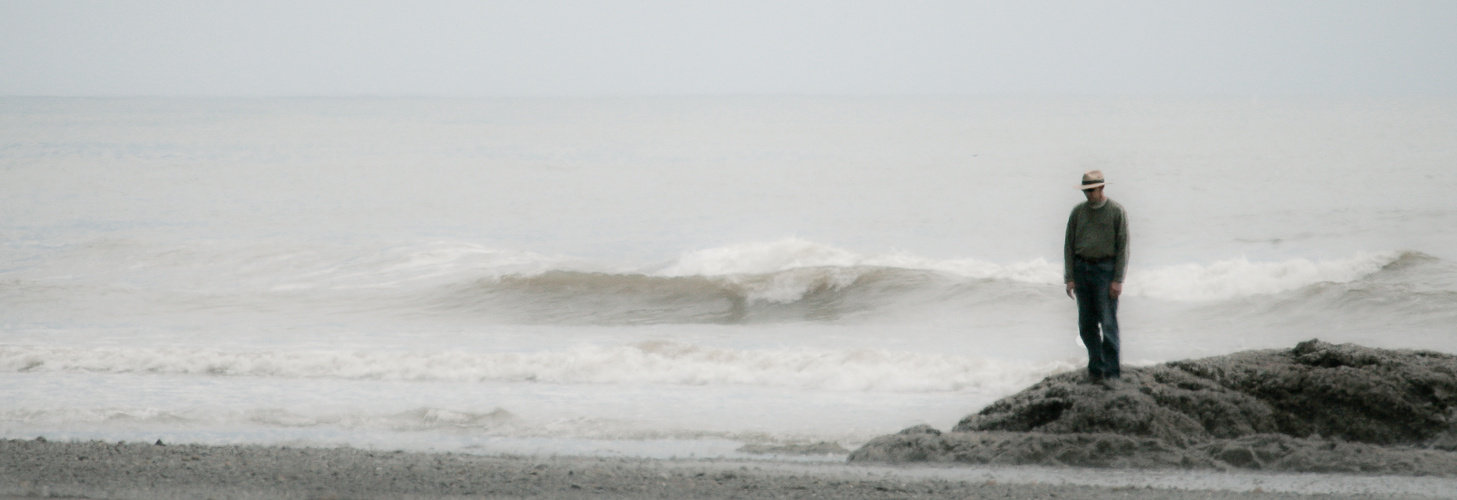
1317 407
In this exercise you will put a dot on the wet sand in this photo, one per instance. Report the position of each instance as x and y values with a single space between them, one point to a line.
33 468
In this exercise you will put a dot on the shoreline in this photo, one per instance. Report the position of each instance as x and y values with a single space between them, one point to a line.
96 469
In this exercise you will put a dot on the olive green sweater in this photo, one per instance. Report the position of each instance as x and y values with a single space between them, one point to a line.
1096 231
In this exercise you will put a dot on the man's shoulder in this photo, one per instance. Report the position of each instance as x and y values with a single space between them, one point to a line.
1077 209
1115 205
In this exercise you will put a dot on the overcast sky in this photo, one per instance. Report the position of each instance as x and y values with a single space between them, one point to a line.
646 47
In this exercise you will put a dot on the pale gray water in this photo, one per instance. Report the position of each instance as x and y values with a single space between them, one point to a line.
664 277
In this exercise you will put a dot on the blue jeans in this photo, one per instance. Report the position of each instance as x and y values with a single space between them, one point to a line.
1097 310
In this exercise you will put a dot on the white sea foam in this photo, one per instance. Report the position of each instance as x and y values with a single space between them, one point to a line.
649 362
794 253
791 285
397 267
738 283
760 258
496 422
1233 278
786 270
786 262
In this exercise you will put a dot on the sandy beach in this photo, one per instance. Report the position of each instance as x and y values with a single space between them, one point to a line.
40 469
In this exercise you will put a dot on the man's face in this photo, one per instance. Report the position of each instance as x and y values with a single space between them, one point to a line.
1095 194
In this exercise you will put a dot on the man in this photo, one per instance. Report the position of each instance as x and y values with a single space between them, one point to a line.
1095 258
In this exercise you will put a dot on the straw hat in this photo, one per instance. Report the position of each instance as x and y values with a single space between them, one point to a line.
1093 179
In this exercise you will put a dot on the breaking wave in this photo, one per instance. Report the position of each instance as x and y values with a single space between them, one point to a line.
795 280
778 281
1236 278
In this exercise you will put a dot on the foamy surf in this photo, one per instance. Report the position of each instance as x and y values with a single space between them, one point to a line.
774 271
732 284
498 422
765 258
648 362
1219 280
1237 278
779 281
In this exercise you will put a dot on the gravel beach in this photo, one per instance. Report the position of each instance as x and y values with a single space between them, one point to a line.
40 469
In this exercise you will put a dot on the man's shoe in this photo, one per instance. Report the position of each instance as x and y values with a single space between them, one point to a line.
1111 383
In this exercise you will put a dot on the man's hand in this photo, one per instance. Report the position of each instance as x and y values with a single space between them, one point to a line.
1115 289
1070 291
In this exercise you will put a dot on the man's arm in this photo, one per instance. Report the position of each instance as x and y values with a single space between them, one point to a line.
1067 250
1121 269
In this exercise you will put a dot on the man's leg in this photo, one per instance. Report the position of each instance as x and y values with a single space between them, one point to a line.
1108 320
1089 317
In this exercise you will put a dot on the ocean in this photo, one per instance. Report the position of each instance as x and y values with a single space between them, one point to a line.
738 277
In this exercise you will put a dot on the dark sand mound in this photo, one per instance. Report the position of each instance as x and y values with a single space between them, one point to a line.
1317 407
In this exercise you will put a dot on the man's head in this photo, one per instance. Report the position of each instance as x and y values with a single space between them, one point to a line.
1093 185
